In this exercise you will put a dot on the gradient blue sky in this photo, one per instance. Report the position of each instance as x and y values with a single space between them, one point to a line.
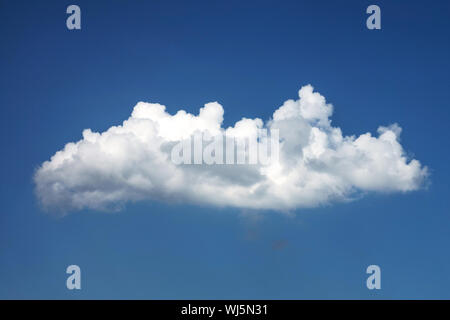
250 56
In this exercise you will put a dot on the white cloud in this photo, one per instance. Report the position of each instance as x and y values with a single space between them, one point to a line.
317 164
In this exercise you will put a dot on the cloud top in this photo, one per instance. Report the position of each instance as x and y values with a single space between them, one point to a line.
317 163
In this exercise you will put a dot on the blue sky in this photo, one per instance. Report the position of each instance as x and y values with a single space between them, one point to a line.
250 56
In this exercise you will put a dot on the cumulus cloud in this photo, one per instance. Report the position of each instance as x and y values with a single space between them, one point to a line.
317 164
